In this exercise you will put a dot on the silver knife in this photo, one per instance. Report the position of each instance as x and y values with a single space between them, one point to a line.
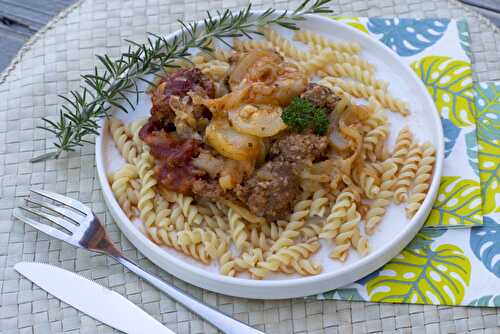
91 298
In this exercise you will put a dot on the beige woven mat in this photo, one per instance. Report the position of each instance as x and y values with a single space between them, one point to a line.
50 64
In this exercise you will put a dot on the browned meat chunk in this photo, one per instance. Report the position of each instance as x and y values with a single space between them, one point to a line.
208 188
271 191
321 97
174 158
299 147
179 83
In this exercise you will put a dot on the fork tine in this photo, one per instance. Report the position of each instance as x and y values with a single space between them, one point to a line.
58 209
49 230
64 200
56 220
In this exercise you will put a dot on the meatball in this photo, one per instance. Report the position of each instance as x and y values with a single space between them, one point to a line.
321 97
299 147
271 191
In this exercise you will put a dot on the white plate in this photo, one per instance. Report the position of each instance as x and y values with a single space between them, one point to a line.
393 234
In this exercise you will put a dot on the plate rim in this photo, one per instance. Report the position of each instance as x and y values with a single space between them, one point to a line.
280 288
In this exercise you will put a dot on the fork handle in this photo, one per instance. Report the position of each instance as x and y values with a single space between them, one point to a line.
218 319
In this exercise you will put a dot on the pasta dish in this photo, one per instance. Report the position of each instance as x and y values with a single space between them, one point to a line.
251 157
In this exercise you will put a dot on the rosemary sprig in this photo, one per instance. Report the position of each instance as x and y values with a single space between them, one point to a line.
108 87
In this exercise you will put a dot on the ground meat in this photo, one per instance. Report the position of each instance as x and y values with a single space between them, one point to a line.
271 191
179 83
321 96
208 188
296 147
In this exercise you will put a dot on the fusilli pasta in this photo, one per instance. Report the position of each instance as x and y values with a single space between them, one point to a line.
378 207
363 91
422 179
316 39
123 140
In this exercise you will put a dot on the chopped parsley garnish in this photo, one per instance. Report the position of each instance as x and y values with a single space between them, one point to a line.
301 115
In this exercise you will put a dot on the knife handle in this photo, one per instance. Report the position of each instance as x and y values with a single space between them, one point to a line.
218 319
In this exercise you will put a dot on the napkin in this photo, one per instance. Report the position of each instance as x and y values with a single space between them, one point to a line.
446 265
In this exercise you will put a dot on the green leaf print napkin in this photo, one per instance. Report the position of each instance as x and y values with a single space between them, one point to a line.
446 266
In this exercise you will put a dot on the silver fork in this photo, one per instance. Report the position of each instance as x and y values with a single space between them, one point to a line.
84 230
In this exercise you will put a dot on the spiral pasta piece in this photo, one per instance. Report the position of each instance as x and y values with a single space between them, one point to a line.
189 210
378 207
214 245
163 213
122 139
338 57
360 243
338 214
355 72
196 251
422 180
403 143
283 45
250 45
297 221
306 267
407 174
161 236
239 234
367 178
374 141
248 260
121 187
284 257
271 230
227 264
147 192
259 240
178 219
318 204
312 38
134 128
360 90
346 231
310 230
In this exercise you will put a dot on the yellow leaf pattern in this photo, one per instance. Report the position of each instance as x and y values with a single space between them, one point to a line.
449 82
423 276
458 203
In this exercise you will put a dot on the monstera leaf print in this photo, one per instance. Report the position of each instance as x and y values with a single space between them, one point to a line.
449 82
408 37
458 203
425 238
464 37
354 22
489 300
489 172
423 276
451 132
472 151
487 96
485 243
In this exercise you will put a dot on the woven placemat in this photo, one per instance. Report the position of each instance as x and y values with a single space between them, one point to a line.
51 64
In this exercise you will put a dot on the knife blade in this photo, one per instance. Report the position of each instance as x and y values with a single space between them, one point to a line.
91 298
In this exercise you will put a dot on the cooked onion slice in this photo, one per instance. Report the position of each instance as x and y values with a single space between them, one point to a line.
257 120
230 143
